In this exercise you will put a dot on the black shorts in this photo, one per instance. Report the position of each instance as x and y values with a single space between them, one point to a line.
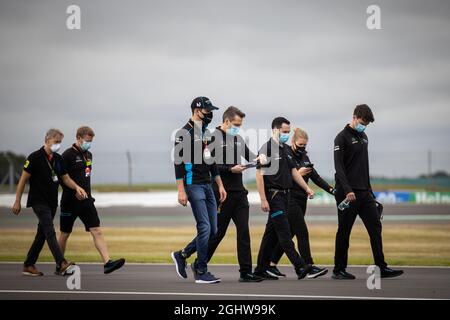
85 210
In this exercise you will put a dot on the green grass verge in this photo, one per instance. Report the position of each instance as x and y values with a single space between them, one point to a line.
404 244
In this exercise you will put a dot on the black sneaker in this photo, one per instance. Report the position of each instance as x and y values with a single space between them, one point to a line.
390 273
113 265
342 275
206 278
250 277
180 264
265 275
273 271
316 272
302 272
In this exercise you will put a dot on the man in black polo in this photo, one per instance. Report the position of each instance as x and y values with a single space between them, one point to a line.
351 161
45 169
274 178
194 168
78 161
230 149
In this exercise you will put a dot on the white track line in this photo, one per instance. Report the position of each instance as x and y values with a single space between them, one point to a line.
255 295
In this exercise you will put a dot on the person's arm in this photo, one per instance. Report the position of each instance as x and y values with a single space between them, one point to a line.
19 192
80 193
179 167
182 197
339 150
222 192
320 182
301 182
261 190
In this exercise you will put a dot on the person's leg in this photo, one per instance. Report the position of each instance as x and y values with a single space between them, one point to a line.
268 241
197 199
292 214
36 247
346 219
223 221
67 219
369 216
240 218
89 216
100 243
302 233
45 216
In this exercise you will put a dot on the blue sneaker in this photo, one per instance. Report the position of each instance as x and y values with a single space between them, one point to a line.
206 277
180 264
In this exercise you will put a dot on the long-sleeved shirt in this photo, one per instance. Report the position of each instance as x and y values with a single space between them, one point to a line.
234 148
302 159
193 169
351 161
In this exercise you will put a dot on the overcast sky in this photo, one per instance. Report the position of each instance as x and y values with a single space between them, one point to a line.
134 67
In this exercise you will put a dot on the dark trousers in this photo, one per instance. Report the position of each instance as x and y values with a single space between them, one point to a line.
365 207
299 229
236 208
277 230
45 231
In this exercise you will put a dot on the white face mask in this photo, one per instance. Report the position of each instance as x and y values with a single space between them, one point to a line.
55 147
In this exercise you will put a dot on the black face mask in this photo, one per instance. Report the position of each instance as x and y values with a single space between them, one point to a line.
207 117
300 150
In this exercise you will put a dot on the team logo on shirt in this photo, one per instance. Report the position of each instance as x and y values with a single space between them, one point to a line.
27 163
336 148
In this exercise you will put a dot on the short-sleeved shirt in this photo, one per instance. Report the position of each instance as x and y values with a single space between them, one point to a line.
79 168
43 185
281 178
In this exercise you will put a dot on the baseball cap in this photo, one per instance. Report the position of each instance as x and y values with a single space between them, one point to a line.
203 103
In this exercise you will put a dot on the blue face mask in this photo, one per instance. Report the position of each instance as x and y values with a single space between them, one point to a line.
233 130
85 146
284 137
360 127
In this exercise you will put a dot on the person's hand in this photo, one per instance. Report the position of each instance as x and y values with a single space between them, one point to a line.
182 198
16 207
351 196
80 193
265 205
262 159
222 194
304 171
310 193
237 168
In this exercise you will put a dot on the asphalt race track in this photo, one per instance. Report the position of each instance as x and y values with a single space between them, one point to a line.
159 281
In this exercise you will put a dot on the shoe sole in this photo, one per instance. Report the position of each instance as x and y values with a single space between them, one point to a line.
176 266
29 274
318 274
391 276
118 266
246 280
207 282
337 278
274 275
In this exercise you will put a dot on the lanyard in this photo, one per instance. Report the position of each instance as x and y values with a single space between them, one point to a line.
48 163
86 160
